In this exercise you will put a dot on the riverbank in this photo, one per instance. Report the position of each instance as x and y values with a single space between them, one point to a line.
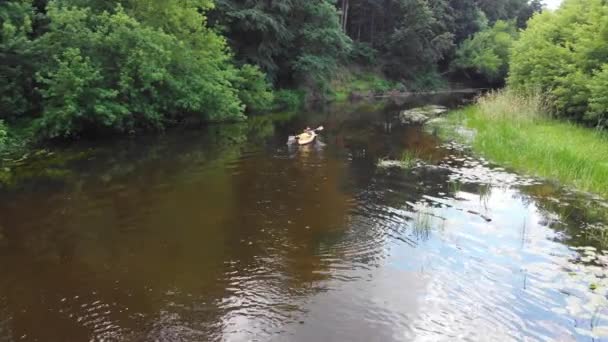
517 132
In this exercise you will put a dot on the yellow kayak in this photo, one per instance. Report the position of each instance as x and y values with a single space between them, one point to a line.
306 138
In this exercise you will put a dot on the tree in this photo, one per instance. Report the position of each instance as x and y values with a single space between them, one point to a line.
521 10
419 40
297 42
487 52
108 71
16 58
257 31
321 44
563 54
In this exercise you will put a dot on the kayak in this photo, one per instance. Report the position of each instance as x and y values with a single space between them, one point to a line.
306 138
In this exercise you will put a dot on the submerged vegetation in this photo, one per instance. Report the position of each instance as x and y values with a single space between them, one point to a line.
517 130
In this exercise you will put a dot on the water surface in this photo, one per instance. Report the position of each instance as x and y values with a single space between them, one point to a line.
229 234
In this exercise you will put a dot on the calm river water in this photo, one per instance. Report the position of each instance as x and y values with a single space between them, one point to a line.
229 234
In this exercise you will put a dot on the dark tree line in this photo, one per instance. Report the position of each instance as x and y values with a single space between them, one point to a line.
293 38
75 67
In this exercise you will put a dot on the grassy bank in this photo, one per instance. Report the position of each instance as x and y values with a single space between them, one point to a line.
516 131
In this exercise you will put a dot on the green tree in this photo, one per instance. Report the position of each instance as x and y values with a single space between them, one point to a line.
253 89
322 44
419 40
487 52
563 55
257 30
506 10
297 42
108 71
16 57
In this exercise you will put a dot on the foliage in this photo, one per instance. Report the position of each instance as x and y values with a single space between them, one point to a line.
322 45
564 54
412 37
516 130
16 19
408 159
598 97
363 53
257 30
519 10
253 89
3 134
419 40
487 52
74 68
144 78
297 42
426 80
360 82
289 100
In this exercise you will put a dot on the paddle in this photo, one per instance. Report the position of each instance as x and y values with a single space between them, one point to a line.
293 138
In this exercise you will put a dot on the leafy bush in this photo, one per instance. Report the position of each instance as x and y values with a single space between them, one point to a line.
564 54
427 80
419 40
288 99
253 89
108 71
487 52
322 44
16 19
3 134
598 101
363 53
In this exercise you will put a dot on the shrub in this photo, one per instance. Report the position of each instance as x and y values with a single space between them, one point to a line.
427 80
487 52
288 99
363 53
108 71
16 19
3 135
253 89
564 54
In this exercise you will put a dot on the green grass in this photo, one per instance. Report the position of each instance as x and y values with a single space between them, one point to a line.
516 131
408 159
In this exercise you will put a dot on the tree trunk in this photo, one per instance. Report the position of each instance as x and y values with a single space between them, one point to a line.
372 30
345 5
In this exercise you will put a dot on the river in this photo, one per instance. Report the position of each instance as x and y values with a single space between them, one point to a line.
230 234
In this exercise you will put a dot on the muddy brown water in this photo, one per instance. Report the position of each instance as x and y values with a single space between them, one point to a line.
229 234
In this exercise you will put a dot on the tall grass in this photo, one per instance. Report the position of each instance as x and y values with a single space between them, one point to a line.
409 159
513 106
517 130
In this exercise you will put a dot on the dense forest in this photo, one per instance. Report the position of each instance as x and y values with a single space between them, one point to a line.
72 68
